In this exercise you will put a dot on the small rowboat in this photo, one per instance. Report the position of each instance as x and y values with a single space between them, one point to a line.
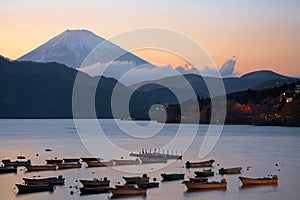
94 190
95 182
126 162
31 168
205 185
204 173
33 188
259 181
172 177
208 163
84 159
45 181
136 179
128 191
198 180
235 170
9 163
148 185
68 165
4 170
54 161
68 160
99 164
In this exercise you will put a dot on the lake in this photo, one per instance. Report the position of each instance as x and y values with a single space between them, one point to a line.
262 150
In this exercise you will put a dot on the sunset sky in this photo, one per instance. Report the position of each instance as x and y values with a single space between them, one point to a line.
262 34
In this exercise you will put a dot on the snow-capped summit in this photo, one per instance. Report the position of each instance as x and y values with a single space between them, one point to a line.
69 48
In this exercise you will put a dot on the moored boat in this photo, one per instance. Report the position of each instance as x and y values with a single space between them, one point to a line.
206 185
54 161
9 163
157 159
60 180
95 182
31 168
259 181
126 162
128 191
4 170
33 188
94 190
204 173
173 176
99 164
68 160
155 155
136 179
148 185
124 186
84 159
68 165
198 180
234 170
208 163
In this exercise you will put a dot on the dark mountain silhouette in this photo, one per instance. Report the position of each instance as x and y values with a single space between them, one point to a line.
44 90
254 80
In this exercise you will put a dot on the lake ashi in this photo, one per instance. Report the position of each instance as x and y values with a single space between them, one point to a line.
259 150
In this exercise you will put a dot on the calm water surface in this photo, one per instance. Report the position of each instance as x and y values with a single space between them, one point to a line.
260 148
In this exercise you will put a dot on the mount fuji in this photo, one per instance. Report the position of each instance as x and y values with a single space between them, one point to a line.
72 46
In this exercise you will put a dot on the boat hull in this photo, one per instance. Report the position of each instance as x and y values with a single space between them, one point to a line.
4 170
45 181
94 183
204 185
84 159
259 181
99 164
126 162
54 161
68 165
204 173
128 191
146 160
235 170
9 163
148 185
208 163
31 168
94 190
33 188
67 160
136 179
172 177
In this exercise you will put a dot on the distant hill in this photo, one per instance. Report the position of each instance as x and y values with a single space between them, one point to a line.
44 90
254 80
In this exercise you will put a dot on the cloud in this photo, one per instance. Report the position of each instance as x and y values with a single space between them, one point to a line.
228 68
129 73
